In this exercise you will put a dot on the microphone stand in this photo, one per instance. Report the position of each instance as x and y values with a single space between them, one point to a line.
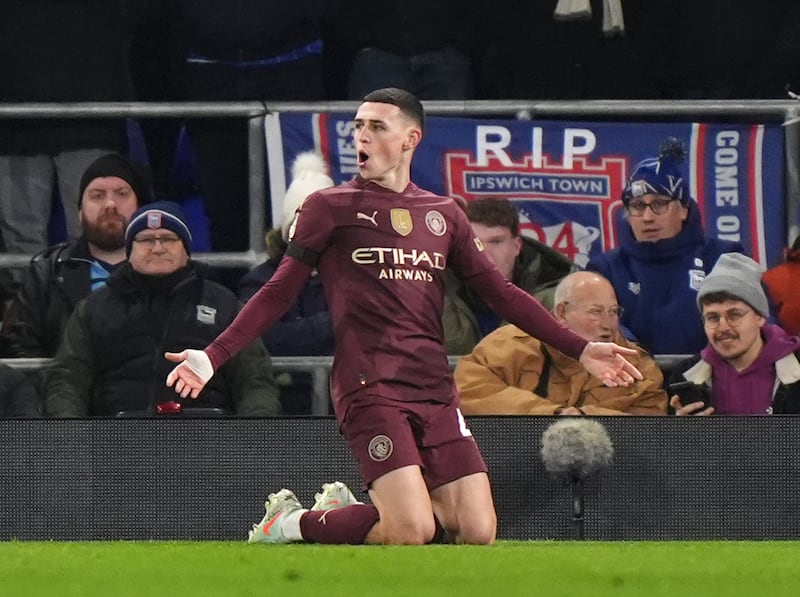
577 506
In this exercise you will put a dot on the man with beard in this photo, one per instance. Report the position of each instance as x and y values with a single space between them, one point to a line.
111 189
110 361
749 367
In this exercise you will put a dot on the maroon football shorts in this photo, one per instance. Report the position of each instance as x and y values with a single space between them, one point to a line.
386 434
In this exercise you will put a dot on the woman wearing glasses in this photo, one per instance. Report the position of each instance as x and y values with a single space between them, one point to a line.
663 256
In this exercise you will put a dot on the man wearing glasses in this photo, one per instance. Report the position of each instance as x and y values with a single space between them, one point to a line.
663 256
111 363
749 366
511 373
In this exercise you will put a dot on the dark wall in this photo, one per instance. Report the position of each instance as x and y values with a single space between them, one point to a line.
721 49
672 478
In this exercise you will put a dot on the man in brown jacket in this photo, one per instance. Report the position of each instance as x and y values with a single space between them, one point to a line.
512 373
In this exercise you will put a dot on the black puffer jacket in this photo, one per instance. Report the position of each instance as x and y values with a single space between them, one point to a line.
18 395
55 281
112 361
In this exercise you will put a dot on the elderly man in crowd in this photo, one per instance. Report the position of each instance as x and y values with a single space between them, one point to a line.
511 373
111 360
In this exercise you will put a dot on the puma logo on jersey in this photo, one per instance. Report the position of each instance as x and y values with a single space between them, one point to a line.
362 216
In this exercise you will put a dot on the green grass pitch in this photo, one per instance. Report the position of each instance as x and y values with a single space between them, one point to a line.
507 568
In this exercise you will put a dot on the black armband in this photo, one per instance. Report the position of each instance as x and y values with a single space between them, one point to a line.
307 256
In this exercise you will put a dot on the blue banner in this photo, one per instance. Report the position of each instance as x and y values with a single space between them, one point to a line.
566 178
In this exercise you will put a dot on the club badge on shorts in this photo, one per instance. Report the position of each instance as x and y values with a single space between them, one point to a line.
380 448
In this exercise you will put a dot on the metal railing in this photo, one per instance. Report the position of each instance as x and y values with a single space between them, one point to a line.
783 111
320 370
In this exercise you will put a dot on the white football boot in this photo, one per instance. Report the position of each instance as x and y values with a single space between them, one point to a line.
334 495
270 529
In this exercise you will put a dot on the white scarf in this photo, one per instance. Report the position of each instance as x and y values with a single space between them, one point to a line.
613 20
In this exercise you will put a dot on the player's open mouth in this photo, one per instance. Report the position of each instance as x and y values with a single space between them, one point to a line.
362 158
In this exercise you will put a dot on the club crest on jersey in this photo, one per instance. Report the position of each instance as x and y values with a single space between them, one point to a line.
401 221
435 223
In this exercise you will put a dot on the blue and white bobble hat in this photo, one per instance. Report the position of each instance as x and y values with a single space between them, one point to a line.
161 214
660 175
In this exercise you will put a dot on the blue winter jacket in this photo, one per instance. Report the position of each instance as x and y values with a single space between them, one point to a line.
306 329
657 283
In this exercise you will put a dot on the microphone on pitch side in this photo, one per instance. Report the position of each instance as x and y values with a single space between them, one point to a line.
574 450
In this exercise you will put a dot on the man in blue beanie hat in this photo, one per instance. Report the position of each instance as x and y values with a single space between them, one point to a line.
663 256
111 360
165 215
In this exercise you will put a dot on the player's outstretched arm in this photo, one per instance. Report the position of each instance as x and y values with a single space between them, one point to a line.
607 362
266 306
192 372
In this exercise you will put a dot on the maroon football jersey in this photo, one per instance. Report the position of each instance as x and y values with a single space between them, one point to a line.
383 256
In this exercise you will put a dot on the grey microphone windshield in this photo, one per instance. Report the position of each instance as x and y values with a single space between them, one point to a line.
576 448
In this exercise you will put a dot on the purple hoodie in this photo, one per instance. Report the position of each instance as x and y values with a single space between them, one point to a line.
749 392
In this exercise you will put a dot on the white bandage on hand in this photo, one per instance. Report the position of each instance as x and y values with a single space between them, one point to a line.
198 361
192 372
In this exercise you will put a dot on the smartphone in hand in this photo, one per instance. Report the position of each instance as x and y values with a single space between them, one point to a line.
689 392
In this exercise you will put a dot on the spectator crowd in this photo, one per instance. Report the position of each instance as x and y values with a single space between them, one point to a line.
120 287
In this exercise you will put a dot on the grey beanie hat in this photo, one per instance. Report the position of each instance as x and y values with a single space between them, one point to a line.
740 276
